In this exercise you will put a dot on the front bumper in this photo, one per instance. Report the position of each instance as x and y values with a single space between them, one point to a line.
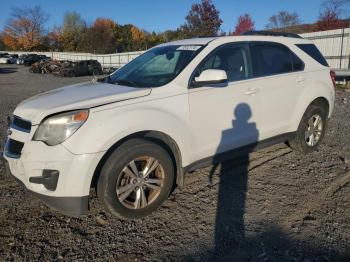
71 206
69 194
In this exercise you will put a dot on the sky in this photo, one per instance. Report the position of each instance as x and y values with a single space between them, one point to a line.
160 15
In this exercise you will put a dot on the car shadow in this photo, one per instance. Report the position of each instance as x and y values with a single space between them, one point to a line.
8 70
229 221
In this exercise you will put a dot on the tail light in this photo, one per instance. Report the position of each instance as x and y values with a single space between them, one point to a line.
333 75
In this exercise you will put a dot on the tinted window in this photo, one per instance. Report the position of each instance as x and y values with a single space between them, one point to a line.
156 67
271 59
312 51
232 58
298 65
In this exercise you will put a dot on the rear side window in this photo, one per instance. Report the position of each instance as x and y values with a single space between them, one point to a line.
313 51
273 58
298 65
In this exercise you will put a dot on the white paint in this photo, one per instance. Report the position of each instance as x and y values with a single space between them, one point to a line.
202 121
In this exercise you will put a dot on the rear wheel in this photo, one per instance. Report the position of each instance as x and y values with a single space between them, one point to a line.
311 130
136 179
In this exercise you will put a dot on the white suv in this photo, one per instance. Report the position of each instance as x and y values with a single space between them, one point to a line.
180 106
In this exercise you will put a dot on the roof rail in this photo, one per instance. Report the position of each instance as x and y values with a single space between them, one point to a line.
271 33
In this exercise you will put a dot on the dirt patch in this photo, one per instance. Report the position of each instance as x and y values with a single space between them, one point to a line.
288 208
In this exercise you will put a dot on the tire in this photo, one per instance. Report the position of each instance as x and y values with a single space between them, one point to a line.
301 142
113 176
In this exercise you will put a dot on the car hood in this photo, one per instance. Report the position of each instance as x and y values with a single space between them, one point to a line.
78 96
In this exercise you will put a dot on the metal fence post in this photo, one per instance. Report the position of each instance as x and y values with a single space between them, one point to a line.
341 48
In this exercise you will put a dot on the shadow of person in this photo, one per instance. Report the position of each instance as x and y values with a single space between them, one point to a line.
233 176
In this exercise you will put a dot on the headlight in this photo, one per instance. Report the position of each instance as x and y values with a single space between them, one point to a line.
56 129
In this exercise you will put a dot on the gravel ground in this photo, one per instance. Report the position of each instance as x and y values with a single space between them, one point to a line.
282 207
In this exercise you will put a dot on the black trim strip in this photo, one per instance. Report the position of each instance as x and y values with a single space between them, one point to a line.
238 152
70 206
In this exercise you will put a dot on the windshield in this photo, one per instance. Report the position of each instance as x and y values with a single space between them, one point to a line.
156 67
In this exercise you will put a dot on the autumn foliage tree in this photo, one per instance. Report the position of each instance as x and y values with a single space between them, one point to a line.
138 37
100 37
2 44
202 20
328 20
54 39
25 29
330 15
244 23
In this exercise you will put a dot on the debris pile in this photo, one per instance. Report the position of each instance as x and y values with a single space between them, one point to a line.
67 68
29 59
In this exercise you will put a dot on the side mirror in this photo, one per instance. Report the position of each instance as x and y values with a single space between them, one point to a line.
210 76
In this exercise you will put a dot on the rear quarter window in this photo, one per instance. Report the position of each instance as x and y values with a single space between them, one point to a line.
313 51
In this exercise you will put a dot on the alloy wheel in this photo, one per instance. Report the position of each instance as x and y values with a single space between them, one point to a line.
314 130
140 182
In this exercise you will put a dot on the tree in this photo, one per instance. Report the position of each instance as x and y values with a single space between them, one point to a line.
330 15
328 19
282 20
340 7
73 28
138 38
2 44
153 39
202 20
25 29
245 23
100 37
54 39
171 35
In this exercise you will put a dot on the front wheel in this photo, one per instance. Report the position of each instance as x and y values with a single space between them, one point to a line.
136 179
311 130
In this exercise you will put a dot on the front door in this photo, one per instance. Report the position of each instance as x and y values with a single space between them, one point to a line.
225 116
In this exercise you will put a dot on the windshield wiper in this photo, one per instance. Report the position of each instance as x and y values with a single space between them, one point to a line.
106 79
126 82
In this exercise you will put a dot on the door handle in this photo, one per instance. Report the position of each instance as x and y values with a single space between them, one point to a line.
300 79
251 92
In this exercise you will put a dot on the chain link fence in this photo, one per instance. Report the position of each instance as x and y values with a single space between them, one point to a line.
108 60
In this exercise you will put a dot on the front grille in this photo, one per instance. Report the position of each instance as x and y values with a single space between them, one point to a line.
13 148
20 124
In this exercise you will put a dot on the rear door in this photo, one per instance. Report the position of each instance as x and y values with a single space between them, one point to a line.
279 74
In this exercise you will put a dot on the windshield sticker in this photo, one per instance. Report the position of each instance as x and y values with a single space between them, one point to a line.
189 47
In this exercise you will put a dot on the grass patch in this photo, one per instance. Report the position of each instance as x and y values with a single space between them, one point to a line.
343 86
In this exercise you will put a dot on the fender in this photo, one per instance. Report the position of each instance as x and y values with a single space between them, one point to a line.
107 127
317 89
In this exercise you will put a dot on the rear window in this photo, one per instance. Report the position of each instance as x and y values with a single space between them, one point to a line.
274 58
312 51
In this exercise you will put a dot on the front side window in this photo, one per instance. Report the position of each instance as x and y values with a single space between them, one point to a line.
273 58
156 67
233 58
